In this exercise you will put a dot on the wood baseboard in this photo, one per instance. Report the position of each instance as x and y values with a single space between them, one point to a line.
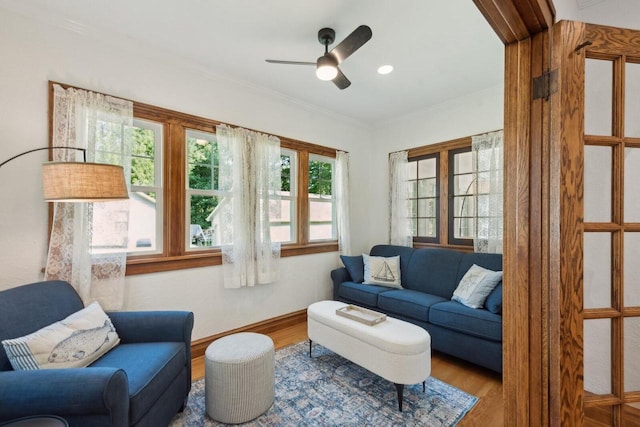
198 347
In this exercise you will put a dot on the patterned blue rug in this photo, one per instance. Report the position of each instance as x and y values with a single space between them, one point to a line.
328 390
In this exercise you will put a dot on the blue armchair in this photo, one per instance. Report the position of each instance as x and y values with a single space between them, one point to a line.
144 381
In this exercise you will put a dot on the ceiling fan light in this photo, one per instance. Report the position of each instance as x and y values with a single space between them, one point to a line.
327 68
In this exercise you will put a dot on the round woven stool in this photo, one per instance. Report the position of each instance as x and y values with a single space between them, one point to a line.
239 377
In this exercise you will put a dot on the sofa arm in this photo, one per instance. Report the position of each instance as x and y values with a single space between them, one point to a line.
153 326
73 391
338 276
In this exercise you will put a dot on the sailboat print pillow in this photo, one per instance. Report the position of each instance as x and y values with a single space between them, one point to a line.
74 342
382 270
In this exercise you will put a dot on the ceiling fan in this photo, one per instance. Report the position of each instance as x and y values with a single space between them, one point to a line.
327 64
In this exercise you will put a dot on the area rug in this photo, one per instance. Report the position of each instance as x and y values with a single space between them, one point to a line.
328 390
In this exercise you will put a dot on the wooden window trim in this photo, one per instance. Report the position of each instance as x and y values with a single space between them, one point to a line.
174 255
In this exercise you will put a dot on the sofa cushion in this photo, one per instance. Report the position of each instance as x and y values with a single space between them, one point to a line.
383 271
355 267
488 261
150 368
476 285
493 302
73 342
361 293
404 252
408 303
433 271
471 321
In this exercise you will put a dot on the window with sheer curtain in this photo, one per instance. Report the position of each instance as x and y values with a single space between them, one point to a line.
88 243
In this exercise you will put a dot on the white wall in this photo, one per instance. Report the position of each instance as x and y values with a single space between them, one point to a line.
34 52
473 114
616 13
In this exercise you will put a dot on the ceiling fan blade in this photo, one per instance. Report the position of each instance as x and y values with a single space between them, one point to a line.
351 43
275 61
341 80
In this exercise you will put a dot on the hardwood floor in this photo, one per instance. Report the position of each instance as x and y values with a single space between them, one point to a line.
482 383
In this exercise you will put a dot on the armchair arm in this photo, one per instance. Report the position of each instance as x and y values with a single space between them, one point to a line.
338 276
153 326
73 391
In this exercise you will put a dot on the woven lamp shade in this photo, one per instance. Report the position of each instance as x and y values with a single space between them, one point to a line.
83 182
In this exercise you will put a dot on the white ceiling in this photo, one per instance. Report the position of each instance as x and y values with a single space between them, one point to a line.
441 49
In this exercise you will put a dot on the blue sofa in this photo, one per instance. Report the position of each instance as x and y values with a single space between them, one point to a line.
143 381
429 276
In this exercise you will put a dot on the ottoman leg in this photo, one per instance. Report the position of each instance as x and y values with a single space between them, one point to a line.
424 386
310 343
400 390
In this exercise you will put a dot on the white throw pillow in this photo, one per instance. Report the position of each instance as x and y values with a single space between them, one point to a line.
476 285
382 270
74 342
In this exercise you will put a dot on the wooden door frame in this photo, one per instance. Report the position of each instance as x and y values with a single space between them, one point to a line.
542 375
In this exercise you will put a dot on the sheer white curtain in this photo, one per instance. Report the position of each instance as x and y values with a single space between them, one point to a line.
343 202
400 225
489 172
250 173
88 246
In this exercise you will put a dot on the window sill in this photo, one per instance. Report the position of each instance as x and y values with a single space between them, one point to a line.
154 264
461 248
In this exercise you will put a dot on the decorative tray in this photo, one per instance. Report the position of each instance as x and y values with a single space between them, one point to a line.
361 314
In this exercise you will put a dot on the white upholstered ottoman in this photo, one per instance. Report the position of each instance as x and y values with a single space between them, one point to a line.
239 377
396 350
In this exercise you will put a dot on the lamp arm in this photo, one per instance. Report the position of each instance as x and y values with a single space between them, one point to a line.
84 153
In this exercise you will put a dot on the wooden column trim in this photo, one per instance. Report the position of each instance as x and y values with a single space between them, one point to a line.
516 232
517 20
566 232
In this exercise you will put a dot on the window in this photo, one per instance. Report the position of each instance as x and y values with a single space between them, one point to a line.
423 197
322 206
443 190
175 193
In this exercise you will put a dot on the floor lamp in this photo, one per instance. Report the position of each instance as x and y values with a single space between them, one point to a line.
80 181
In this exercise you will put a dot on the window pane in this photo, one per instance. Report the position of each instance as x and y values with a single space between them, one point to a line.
463 162
320 220
631 359
142 222
413 189
427 187
463 184
631 184
143 157
464 206
426 208
280 215
597 184
632 100
427 168
598 97
463 228
202 160
597 270
320 177
597 356
631 270
204 222
285 173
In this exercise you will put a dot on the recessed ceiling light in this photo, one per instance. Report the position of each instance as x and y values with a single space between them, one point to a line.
385 69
